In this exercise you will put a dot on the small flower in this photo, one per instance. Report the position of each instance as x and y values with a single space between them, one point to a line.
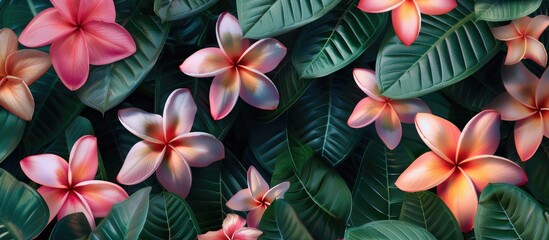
387 113
527 102
80 33
168 146
238 68
69 187
233 229
257 197
521 36
18 70
460 163
406 14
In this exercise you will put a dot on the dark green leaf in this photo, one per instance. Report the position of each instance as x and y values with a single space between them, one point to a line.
70 227
280 221
17 14
503 10
11 130
390 230
537 170
269 140
171 10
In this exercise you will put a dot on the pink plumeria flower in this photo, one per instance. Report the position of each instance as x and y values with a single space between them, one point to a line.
233 229
406 14
69 187
168 147
18 70
521 36
527 102
460 163
386 112
80 33
257 197
238 68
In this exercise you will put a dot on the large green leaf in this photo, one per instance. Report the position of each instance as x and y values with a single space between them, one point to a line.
425 209
503 10
280 221
449 48
267 18
390 230
537 169
23 212
269 140
11 130
506 210
336 40
171 10
17 14
109 85
70 227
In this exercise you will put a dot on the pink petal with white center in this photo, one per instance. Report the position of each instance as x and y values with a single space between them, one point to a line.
229 36
276 192
365 112
528 136
247 233
388 127
376 6
147 126
535 51
179 113
480 136
70 59
366 81
264 55
233 222
439 135
459 194
542 95
45 28
545 119
406 22
28 65
484 169
436 7
506 32
54 198
107 42
510 108
8 46
100 10
407 109
256 183
141 162
516 49
76 203
212 235
68 9
83 161
426 172
254 217
207 62
243 201
537 26
521 83
199 149
16 97
257 89
174 173
46 169
100 195
224 93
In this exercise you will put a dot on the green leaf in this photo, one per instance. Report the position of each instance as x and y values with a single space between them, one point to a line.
537 170
171 10
449 48
503 10
23 212
72 226
280 221
109 85
375 195
425 209
169 217
335 40
17 14
126 219
390 230
11 130
268 18
506 210
269 140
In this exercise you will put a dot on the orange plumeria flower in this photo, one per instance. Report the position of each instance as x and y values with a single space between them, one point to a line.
18 70
522 36
406 14
527 102
460 163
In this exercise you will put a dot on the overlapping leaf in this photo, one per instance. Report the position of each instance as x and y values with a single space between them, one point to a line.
503 10
280 221
70 227
388 230
11 130
171 10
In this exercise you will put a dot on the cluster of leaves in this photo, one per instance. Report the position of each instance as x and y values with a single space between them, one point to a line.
341 179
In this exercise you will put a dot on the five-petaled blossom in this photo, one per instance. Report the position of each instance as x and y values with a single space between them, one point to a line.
387 113
69 187
522 36
168 147
233 229
18 70
80 33
460 163
406 14
257 197
527 102
238 68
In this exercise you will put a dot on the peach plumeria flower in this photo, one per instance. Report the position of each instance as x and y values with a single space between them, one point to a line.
80 33
69 187
168 147
233 229
527 102
460 163
257 197
406 14
521 36
386 112
18 70
238 68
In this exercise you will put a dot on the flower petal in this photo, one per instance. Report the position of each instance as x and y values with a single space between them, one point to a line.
175 174
388 127
70 59
54 198
427 171
207 62
8 46
233 222
100 195
229 36
436 7
257 184
537 26
484 169
366 81
224 92
480 136
212 235
376 6
101 10
46 169
522 23
76 203
459 194
276 192
28 65
107 42
406 22
407 109
68 9
141 162
247 233
179 113
528 136
254 217
199 149
242 201
45 28
535 51
510 108
365 112
545 119
147 126
542 95
516 49
439 134
264 55
506 32
16 97
83 161
257 89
